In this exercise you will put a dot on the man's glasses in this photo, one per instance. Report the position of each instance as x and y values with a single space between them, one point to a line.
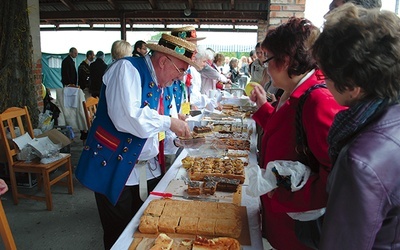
180 71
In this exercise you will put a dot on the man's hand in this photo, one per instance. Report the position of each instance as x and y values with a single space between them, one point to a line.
182 117
180 128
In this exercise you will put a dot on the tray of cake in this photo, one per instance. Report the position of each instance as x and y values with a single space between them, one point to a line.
164 242
199 167
188 219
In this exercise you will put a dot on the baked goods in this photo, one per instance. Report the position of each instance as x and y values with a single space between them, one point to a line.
209 187
224 184
194 188
201 129
162 242
195 217
220 167
148 224
188 225
168 224
222 243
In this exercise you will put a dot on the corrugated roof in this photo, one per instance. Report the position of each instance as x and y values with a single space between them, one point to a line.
166 12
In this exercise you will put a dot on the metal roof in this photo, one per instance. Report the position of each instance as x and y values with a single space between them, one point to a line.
152 14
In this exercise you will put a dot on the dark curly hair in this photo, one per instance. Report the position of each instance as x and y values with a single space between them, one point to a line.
293 40
361 48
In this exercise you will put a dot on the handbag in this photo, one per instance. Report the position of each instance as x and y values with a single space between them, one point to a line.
307 232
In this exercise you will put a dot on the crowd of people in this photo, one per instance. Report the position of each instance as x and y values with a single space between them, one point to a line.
326 99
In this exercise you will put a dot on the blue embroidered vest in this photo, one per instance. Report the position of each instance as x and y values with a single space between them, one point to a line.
109 156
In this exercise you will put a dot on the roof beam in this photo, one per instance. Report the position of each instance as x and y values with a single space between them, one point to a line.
76 15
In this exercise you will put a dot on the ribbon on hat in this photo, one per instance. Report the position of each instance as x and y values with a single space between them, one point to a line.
182 35
176 48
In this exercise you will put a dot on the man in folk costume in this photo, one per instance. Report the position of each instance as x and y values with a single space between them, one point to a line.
120 159
190 95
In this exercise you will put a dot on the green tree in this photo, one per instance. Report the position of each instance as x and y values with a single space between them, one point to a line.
16 77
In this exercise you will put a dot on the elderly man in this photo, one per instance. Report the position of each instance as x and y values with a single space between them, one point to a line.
120 160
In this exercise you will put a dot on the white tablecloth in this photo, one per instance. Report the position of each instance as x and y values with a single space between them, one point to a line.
251 203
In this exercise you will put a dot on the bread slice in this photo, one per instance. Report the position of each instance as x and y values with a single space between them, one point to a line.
188 225
162 242
148 224
168 224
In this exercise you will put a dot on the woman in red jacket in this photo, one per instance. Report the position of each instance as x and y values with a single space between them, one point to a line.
293 69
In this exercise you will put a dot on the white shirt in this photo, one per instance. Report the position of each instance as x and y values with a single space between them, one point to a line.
124 96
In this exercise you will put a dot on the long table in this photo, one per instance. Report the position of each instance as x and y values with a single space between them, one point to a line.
251 203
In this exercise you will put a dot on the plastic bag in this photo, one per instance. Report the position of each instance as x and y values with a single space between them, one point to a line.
45 121
262 181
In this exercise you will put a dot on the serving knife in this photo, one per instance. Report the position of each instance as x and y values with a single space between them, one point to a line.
186 197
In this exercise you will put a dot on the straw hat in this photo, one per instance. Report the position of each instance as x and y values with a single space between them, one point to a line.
187 32
176 47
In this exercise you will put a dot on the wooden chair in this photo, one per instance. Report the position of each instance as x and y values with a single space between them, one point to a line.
5 231
90 107
19 117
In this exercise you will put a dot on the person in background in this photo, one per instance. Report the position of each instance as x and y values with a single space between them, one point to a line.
120 49
139 49
84 70
244 66
120 161
293 69
258 69
368 4
97 69
234 73
252 58
226 68
69 75
363 210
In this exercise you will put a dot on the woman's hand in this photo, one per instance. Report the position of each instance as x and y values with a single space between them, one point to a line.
258 95
3 187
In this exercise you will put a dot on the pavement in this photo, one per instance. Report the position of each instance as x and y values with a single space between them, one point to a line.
73 224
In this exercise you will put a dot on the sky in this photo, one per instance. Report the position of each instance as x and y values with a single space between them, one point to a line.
61 41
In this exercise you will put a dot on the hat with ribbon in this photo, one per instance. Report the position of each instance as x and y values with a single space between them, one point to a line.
187 32
176 47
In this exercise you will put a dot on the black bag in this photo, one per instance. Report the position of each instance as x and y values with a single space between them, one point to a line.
308 232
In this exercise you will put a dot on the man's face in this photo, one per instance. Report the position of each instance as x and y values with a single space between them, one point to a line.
172 70
91 57
74 53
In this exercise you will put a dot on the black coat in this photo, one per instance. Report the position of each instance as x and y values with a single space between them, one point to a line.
97 69
68 71
84 75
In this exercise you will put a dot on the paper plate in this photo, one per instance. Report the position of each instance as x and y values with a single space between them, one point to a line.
249 87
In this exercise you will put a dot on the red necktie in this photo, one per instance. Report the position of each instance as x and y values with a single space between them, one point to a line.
161 157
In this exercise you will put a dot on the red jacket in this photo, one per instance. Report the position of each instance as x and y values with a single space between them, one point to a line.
278 143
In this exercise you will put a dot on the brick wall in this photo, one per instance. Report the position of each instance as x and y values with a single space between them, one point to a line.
37 81
279 12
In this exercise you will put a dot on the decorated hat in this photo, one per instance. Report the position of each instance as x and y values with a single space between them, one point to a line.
187 32
176 47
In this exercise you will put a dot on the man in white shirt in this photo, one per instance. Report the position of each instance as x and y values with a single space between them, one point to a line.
120 159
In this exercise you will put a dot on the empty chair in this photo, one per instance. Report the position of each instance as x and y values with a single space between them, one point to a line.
90 108
18 119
